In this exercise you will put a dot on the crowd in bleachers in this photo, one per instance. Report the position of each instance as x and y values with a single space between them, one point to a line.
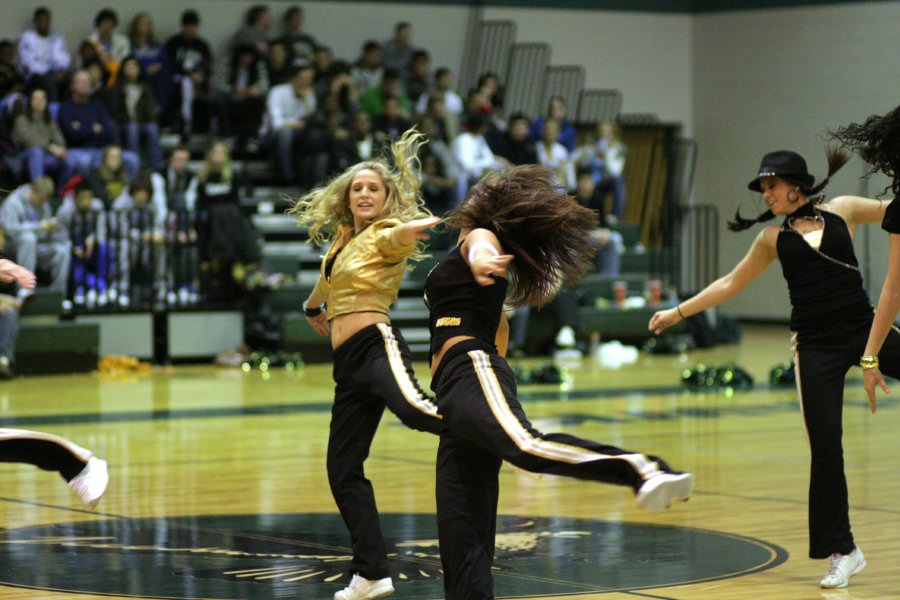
111 218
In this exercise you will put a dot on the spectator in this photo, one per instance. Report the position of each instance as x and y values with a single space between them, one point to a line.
338 83
489 88
444 183
368 69
472 151
478 103
88 58
9 319
278 63
111 46
556 110
554 156
153 57
290 105
300 45
140 227
447 124
41 140
327 131
88 128
604 155
243 89
399 49
359 146
43 58
255 31
391 86
176 189
418 80
133 107
11 83
322 61
192 62
30 226
391 123
609 244
109 179
443 83
226 239
516 146
82 220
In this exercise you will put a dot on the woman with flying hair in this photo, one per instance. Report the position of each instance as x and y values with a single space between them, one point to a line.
520 238
877 141
373 217
830 320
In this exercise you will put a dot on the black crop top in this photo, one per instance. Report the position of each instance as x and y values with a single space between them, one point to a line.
891 221
826 283
458 305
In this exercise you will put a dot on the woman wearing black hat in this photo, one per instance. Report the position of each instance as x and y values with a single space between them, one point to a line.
877 141
830 322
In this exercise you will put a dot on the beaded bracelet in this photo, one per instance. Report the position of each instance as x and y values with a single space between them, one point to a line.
313 312
869 361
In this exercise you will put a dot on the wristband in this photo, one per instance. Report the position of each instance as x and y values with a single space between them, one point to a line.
869 361
478 246
313 312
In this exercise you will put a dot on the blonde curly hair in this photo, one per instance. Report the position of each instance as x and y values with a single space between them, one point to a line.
324 209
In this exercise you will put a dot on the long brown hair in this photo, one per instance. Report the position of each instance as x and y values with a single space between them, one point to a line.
547 231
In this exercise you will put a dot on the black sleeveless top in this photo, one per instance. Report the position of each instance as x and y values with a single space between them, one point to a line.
825 284
891 221
458 305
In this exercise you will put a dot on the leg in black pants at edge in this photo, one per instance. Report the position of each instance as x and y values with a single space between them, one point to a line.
484 424
372 369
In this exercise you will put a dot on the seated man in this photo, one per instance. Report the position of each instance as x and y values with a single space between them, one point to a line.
289 106
9 310
31 230
88 128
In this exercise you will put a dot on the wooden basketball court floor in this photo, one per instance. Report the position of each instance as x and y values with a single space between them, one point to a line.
218 489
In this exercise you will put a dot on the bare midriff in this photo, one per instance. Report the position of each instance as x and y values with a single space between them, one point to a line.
439 355
345 326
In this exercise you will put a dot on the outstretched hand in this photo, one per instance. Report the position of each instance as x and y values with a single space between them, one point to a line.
663 319
873 378
10 271
485 266
415 229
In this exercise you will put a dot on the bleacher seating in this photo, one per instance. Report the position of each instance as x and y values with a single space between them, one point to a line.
48 345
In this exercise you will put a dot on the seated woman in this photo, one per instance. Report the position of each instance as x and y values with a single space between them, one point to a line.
133 106
41 141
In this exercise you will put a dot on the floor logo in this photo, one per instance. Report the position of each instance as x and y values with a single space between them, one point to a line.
306 556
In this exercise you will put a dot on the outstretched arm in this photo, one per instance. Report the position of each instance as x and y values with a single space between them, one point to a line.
757 260
888 306
856 210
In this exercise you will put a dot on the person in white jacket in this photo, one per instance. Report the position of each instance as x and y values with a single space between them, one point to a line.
43 58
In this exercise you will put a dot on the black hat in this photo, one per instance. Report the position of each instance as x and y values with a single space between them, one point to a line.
785 164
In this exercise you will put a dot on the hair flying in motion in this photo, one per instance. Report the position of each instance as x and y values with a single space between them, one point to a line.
324 209
547 231
877 141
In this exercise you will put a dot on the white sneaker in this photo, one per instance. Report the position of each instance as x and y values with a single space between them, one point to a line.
361 588
843 567
124 300
660 490
566 337
90 484
91 298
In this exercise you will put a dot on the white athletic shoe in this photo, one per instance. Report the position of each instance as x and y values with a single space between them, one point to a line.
843 567
361 588
565 338
90 484
660 490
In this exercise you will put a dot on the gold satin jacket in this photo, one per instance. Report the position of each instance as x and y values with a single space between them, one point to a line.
367 269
